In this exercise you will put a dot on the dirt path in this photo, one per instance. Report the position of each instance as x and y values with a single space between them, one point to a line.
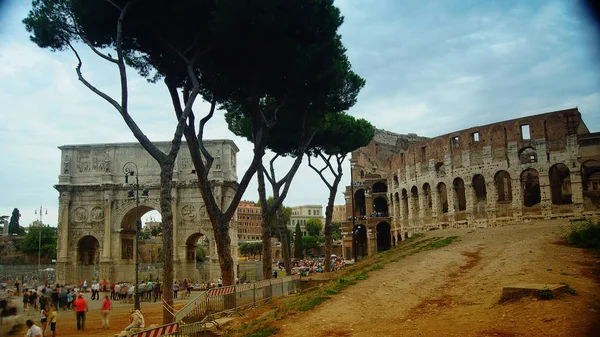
454 291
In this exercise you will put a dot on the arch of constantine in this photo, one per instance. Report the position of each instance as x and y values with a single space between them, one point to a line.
537 167
97 222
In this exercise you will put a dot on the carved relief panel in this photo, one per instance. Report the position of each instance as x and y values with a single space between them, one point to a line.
127 249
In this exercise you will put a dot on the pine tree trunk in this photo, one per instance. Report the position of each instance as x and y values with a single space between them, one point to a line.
266 246
285 243
224 251
166 210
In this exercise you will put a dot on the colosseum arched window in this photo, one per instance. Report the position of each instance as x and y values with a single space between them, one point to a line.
560 184
503 186
530 185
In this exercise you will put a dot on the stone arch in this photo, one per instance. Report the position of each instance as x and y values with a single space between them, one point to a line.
405 235
460 200
360 202
478 183
590 178
428 202
380 206
479 194
528 155
397 203
503 186
414 195
530 186
360 241
362 174
404 204
560 184
192 243
383 236
442 197
128 229
88 250
396 182
440 170
379 187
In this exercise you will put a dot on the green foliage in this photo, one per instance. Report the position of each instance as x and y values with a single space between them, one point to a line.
251 248
545 294
275 223
336 230
309 242
264 332
156 231
13 225
200 253
145 235
314 227
298 247
47 241
586 235
341 134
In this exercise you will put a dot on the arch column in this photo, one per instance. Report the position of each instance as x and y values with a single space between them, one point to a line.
517 198
469 203
105 259
545 194
491 200
62 265
450 192
577 191
436 207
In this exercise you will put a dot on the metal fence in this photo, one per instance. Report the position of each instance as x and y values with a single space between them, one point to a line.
198 315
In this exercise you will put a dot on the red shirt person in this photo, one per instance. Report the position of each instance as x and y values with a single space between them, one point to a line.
80 309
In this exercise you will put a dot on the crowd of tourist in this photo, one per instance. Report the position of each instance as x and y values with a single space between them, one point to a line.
313 265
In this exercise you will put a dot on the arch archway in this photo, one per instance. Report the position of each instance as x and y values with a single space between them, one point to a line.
460 201
88 252
530 185
380 207
379 187
359 202
396 183
414 195
560 184
428 202
404 204
503 186
383 236
360 241
397 203
479 195
527 155
590 178
442 197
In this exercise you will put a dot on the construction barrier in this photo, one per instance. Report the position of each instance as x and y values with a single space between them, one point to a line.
163 330
196 316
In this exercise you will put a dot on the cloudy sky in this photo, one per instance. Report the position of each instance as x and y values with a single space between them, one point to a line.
432 67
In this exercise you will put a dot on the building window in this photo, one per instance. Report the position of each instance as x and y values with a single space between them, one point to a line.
309 212
525 135
424 151
475 136
455 141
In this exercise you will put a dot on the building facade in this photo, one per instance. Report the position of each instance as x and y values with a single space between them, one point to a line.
537 167
339 213
301 215
249 221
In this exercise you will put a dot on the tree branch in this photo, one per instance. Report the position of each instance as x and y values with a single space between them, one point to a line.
319 172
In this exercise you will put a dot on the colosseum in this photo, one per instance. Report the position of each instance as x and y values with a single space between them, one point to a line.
537 167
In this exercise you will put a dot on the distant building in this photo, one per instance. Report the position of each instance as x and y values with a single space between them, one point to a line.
152 224
4 222
339 213
249 220
301 214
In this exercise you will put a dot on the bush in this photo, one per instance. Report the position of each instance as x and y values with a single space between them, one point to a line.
586 235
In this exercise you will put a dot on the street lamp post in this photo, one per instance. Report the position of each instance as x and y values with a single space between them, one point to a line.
40 235
353 214
128 171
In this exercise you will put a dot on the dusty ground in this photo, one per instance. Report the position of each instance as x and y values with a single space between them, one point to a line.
451 291
454 291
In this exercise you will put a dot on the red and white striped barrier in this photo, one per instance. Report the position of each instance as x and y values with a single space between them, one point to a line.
244 287
159 331
221 291
262 284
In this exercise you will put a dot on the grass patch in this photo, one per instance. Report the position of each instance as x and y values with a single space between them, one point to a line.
545 294
586 235
264 332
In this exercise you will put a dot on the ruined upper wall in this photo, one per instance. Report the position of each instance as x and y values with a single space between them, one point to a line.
549 129
371 159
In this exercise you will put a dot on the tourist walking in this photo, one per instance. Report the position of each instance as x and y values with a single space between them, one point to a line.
34 330
43 316
157 291
175 289
52 314
80 309
106 303
26 300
